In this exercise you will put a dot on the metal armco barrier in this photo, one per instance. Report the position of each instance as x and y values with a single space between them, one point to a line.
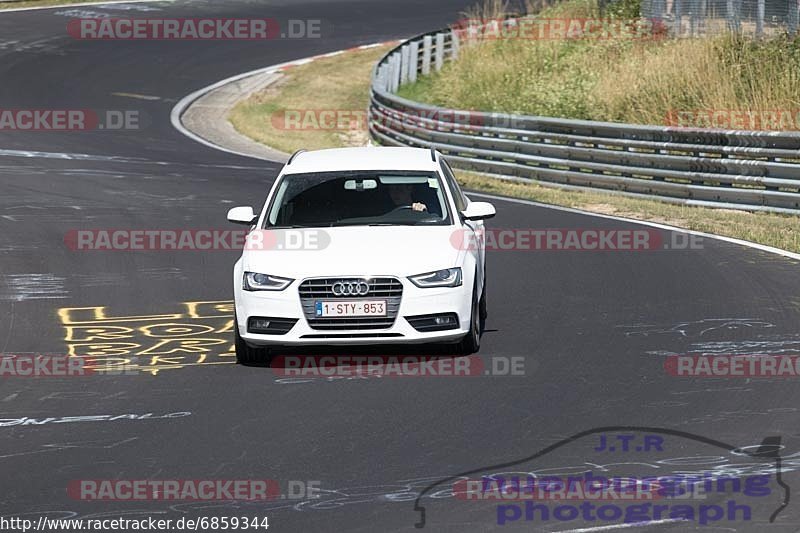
750 170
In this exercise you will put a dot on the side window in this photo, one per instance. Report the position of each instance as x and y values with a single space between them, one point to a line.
452 184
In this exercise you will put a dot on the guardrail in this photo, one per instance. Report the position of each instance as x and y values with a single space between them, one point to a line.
750 170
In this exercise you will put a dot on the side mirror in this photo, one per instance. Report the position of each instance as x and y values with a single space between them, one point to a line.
242 215
479 211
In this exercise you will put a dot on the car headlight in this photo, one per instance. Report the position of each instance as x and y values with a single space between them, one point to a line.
449 277
253 281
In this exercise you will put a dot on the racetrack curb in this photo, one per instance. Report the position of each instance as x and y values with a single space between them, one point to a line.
203 115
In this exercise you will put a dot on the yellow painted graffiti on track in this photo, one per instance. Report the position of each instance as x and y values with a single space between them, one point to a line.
200 333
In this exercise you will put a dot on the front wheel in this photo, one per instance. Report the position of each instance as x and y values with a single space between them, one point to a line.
472 340
483 309
245 354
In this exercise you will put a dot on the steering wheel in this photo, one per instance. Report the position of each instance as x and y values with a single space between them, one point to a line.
401 208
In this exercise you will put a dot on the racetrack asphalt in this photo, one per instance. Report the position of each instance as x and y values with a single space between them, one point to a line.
594 328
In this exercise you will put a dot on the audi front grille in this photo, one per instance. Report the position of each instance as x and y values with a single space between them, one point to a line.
389 289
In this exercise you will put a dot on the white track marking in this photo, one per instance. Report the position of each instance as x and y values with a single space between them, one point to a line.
762 247
82 4
623 526
137 96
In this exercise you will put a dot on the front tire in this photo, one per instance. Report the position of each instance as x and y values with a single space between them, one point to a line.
471 342
482 307
245 354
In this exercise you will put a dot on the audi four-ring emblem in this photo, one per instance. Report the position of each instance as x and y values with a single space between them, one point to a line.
350 288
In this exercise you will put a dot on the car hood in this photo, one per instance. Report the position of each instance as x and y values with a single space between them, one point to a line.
357 251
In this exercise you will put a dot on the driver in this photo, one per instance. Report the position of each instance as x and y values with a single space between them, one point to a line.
402 195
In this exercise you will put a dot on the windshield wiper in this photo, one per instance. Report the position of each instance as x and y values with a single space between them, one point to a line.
340 224
372 224
296 226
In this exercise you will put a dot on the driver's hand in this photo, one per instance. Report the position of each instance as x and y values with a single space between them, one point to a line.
417 206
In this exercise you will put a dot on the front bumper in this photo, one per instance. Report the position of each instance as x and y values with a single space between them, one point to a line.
414 302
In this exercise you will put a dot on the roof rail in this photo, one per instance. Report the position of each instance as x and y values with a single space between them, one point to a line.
433 153
291 158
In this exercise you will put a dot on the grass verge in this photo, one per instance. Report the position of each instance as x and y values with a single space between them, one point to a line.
342 83
647 80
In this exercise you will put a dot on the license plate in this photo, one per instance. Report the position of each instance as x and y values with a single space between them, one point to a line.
351 308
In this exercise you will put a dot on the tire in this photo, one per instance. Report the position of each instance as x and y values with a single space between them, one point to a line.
482 307
245 354
472 340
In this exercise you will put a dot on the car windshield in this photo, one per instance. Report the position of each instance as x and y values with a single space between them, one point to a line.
358 199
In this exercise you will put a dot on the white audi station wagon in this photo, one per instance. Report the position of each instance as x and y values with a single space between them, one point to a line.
353 246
